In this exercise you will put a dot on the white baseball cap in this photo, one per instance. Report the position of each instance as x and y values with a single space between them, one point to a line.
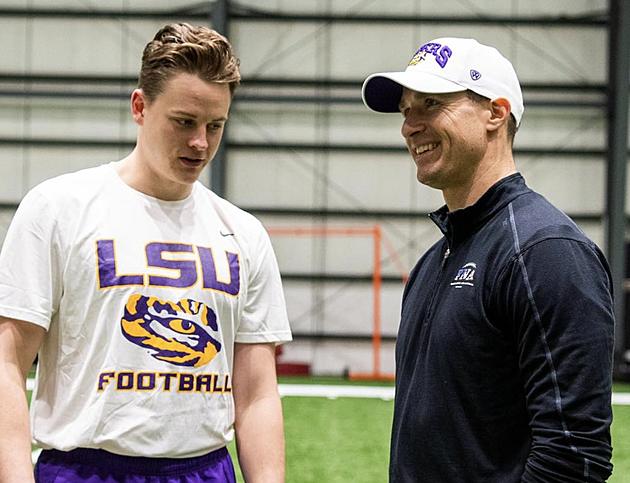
448 65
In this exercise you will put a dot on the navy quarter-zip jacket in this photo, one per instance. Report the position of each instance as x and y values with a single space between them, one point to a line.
504 352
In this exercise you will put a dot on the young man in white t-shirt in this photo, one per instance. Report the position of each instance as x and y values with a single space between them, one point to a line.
155 305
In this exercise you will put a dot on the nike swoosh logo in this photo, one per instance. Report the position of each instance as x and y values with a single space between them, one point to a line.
225 234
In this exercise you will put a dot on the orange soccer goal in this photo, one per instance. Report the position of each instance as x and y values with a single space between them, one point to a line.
376 233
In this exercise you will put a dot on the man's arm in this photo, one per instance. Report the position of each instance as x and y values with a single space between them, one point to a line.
258 417
564 327
19 343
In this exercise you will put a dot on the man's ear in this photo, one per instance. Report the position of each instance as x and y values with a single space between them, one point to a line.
138 105
500 113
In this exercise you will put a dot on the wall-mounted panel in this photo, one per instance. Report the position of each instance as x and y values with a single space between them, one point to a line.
341 309
339 357
13 173
354 124
6 215
572 184
403 242
95 46
67 118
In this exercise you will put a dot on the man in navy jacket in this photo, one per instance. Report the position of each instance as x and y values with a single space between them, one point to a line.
504 354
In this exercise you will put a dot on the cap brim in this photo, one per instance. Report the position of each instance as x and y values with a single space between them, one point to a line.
381 92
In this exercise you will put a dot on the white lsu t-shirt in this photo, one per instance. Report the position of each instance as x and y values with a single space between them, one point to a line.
143 300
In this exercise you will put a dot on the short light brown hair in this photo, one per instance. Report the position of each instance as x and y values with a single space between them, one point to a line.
183 48
512 128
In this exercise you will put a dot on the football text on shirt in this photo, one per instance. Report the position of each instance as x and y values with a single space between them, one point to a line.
165 381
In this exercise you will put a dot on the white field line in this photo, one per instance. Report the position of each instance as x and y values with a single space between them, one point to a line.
334 392
315 390
375 392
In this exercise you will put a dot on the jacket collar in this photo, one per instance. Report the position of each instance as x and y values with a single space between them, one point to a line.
460 224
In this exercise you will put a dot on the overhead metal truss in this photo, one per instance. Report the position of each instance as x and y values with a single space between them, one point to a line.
199 12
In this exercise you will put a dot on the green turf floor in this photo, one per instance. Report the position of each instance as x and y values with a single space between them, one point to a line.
336 440
347 439
621 444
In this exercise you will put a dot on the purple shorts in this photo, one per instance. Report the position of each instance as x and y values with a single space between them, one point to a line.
85 465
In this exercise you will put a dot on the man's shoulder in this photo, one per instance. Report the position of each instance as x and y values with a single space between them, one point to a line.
535 219
227 211
72 185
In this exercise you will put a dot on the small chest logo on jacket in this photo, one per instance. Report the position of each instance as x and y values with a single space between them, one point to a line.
465 276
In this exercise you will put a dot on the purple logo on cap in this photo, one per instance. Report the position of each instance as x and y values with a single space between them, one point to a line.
418 57
475 75
441 53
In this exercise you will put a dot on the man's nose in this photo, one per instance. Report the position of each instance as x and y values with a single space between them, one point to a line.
199 140
413 124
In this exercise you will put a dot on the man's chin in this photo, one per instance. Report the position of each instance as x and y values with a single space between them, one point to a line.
428 180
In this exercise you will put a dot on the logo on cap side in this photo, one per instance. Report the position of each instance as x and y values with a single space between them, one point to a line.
475 74
441 53
418 57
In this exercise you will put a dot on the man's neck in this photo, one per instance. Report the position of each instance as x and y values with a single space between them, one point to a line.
489 172
139 176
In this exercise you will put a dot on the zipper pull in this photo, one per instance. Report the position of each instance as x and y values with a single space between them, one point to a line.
445 257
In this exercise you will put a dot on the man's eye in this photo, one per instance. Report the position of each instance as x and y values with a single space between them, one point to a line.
431 102
184 122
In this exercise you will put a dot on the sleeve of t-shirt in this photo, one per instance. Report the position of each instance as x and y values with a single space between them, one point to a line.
557 297
30 273
264 318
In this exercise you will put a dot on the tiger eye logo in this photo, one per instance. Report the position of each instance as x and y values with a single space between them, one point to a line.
174 332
